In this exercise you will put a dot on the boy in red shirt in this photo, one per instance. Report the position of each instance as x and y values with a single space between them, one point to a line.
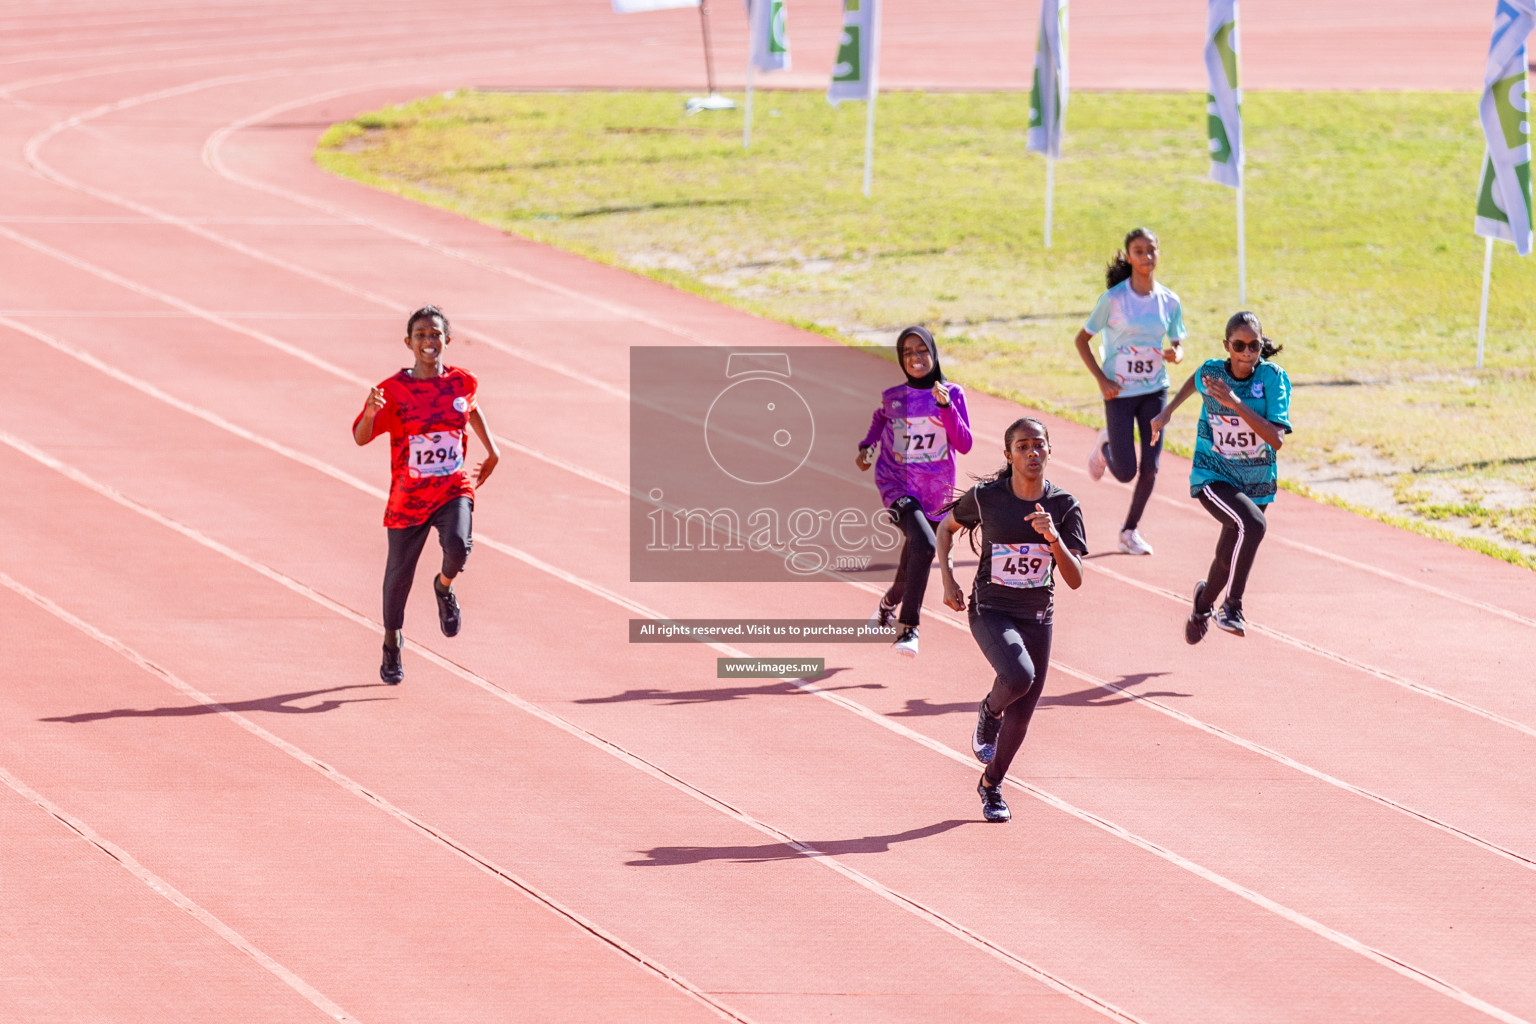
424 410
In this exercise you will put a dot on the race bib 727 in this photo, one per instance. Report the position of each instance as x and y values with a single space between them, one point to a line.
919 439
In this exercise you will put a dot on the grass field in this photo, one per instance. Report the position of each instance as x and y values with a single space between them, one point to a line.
1361 258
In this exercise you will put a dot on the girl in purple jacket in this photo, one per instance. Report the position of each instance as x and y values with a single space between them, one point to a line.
919 427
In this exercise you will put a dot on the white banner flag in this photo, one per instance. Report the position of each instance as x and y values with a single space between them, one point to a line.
1504 194
853 74
1048 95
638 6
769 34
1224 120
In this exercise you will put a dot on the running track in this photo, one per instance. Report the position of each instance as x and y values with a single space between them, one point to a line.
213 811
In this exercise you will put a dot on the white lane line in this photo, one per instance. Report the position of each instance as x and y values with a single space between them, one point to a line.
1295 917
211 156
358 381
1333 656
1189 508
911 905
207 416
191 225
332 774
169 892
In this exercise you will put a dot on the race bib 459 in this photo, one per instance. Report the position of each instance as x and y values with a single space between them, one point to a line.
1022 565
440 454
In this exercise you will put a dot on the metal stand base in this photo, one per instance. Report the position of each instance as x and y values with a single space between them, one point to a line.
714 101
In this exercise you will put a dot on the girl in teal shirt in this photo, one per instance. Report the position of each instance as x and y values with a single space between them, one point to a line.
1245 415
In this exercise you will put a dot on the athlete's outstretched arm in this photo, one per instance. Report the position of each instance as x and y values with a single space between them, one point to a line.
954 597
1161 419
492 453
362 430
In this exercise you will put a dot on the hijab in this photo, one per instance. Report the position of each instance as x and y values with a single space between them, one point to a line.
934 375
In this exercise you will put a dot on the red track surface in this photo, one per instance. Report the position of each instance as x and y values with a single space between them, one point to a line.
213 811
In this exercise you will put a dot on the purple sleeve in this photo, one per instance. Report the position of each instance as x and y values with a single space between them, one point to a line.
956 420
876 427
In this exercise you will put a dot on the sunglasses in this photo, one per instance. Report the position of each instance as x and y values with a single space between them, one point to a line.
1245 346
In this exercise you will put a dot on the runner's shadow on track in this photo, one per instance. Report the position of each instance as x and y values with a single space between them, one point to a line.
1096 697
671 856
280 704
920 708
781 688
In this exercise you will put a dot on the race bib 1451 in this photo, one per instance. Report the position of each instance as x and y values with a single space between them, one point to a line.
1234 439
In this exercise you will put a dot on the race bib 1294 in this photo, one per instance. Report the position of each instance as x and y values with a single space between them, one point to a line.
919 439
440 454
1022 565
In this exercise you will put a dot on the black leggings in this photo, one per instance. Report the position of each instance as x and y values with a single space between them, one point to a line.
1242 528
452 521
1121 415
915 561
1020 651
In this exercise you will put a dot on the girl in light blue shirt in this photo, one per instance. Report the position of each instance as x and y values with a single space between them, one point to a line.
1134 316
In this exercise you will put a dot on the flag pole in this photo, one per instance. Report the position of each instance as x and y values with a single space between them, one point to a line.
1482 317
869 143
874 90
709 60
1242 247
746 121
1050 195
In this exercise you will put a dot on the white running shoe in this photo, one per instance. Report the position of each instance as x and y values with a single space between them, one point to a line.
1133 543
1096 462
907 643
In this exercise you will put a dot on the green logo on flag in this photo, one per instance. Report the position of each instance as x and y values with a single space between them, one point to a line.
1036 115
776 42
1221 146
1513 112
1223 42
1488 204
847 68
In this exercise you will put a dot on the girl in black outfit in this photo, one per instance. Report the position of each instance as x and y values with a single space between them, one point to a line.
1030 530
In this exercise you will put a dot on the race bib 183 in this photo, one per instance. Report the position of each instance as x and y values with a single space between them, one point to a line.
1022 565
919 439
1234 439
1138 364
440 454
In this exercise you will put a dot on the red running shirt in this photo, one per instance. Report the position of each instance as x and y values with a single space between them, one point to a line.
425 421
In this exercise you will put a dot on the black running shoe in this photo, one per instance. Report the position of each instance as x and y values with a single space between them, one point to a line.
884 615
984 739
1230 618
992 806
447 609
1198 621
390 670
